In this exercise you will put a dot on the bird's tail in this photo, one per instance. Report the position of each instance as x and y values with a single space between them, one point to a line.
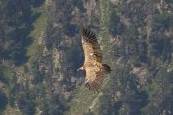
106 68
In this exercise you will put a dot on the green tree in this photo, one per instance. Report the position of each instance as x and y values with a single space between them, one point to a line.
3 100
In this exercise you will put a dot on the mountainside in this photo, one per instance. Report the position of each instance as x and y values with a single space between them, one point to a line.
40 52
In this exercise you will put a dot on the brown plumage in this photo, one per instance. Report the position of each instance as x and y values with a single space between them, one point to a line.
93 61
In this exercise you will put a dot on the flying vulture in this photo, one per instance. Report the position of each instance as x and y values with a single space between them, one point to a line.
93 61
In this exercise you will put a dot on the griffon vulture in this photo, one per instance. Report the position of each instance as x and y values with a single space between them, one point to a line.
93 61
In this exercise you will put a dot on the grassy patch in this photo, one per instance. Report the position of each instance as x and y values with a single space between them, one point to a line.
11 111
81 102
39 31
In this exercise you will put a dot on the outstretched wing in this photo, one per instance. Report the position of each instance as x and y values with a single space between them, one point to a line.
93 79
93 60
91 47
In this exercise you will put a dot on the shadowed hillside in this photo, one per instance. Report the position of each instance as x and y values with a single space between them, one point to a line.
40 52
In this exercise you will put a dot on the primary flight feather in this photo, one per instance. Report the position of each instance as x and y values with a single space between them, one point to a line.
93 61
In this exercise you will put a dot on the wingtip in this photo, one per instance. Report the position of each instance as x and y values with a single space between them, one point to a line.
106 68
92 86
84 30
83 27
89 34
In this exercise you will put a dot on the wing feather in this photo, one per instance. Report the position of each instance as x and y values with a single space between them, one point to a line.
91 47
93 79
93 60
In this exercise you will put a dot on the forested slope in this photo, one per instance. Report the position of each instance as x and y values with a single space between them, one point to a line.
40 51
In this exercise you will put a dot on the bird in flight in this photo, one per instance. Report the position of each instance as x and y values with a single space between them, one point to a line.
93 61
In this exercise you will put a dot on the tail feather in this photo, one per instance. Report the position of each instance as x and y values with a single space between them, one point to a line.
106 68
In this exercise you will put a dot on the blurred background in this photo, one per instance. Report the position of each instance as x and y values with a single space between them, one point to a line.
40 51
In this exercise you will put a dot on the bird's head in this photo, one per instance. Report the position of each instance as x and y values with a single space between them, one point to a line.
81 68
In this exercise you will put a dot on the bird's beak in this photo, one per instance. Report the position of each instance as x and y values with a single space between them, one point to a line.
81 68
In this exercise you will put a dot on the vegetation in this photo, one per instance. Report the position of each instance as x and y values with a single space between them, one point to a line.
40 51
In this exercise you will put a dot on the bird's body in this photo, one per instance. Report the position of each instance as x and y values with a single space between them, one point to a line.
93 61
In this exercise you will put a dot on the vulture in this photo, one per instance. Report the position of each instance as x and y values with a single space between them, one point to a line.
93 61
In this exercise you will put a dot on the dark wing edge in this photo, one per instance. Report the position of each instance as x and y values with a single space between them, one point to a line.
90 37
95 84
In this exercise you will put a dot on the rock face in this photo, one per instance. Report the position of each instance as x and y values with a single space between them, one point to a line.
136 41
67 96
